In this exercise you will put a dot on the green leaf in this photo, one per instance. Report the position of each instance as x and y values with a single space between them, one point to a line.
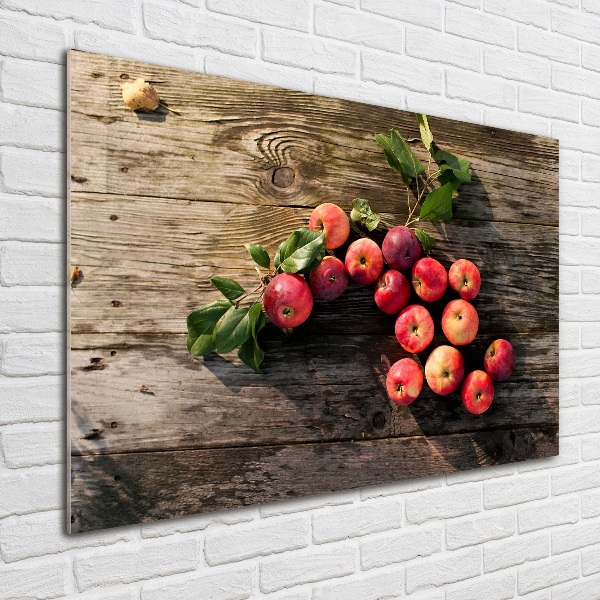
300 252
362 214
231 289
438 204
259 255
459 166
427 241
426 135
232 330
250 352
386 143
409 162
201 324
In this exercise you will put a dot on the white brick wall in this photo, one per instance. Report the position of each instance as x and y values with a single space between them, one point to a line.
531 530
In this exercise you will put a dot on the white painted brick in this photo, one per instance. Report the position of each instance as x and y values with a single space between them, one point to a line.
113 14
293 14
591 6
590 281
34 579
359 91
307 566
516 551
531 578
309 53
515 491
39 534
469 3
580 363
118 565
33 354
570 246
32 84
31 400
569 221
590 336
248 70
403 72
34 173
31 219
547 45
590 57
212 585
590 504
403 487
514 65
530 12
590 171
377 586
570 23
237 543
479 529
450 568
569 336
301 594
427 13
133 48
577 137
569 280
330 525
31 310
173 23
48 44
548 514
584 478
400 546
570 3
449 49
580 421
122 594
476 25
577 590
441 107
492 472
358 28
590 224
507 119
575 81
574 193
590 112
567 539
569 165
497 587
590 561
32 444
480 88
30 490
26 263
590 389
198 522
443 504
548 104
273 509
569 452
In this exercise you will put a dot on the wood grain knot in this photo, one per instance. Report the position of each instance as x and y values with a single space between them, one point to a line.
283 177
378 420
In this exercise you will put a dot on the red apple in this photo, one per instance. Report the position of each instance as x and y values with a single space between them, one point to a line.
288 300
465 279
329 280
364 261
414 328
401 248
499 360
460 322
429 279
392 292
477 392
404 381
331 219
444 370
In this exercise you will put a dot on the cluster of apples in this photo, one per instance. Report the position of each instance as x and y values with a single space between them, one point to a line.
288 301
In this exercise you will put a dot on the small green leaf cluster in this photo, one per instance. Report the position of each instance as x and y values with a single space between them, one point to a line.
223 325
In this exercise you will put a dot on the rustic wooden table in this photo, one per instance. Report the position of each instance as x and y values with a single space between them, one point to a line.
161 202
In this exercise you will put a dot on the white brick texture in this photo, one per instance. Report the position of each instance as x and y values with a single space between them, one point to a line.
530 530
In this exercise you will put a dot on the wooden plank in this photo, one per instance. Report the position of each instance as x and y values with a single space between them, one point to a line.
233 138
162 252
119 489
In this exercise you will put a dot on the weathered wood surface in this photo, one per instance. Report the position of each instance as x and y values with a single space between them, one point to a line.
161 203
119 489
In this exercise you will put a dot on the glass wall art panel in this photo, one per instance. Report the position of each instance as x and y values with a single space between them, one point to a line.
275 294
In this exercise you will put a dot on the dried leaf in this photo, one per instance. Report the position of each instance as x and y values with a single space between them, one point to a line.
139 95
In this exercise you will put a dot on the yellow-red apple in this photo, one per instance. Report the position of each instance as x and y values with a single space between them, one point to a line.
404 381
464 278
477 392
364 261
401 248
444 370
331 219
499 360
288 300
414 328
429 278
329 280
460 322
392 292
